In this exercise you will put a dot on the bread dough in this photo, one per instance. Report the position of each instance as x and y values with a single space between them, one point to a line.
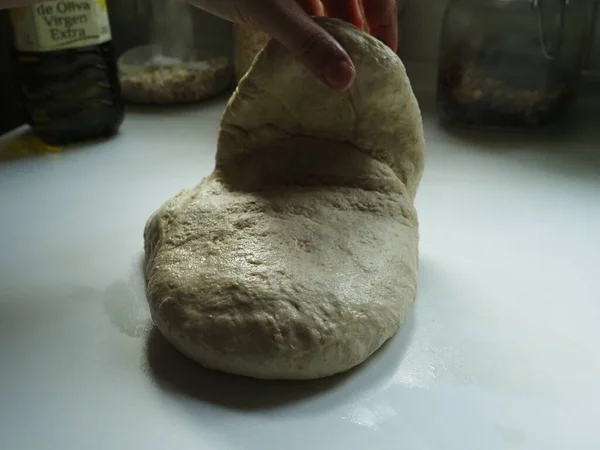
297 257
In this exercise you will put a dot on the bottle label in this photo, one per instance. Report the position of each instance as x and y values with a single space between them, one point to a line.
60 24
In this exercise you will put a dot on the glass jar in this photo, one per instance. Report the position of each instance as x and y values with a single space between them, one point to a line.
187 59
591 74
510 63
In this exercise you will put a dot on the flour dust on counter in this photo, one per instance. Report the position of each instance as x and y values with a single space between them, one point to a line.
297 257
124 303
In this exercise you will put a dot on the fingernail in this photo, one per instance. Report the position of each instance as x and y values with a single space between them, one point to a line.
339 74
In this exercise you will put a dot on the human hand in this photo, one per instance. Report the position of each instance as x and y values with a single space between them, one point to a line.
290 23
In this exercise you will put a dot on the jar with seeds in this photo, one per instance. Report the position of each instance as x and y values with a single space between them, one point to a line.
510 63
187 59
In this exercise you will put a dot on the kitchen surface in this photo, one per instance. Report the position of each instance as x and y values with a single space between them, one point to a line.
499 352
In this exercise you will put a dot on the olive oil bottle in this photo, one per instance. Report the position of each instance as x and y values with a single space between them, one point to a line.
66 70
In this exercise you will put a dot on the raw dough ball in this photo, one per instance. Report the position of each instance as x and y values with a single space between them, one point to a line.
297 257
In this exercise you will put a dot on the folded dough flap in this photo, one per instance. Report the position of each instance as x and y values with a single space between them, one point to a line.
279 102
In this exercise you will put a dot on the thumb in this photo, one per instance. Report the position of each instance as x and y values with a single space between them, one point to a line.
310 43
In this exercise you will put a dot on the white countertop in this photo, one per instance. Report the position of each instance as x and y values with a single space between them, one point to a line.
501 351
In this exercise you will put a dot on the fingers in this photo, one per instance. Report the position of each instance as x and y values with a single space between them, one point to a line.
311 44
382 18
347 10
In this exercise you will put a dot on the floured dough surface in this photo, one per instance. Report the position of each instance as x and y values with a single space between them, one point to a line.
297 257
